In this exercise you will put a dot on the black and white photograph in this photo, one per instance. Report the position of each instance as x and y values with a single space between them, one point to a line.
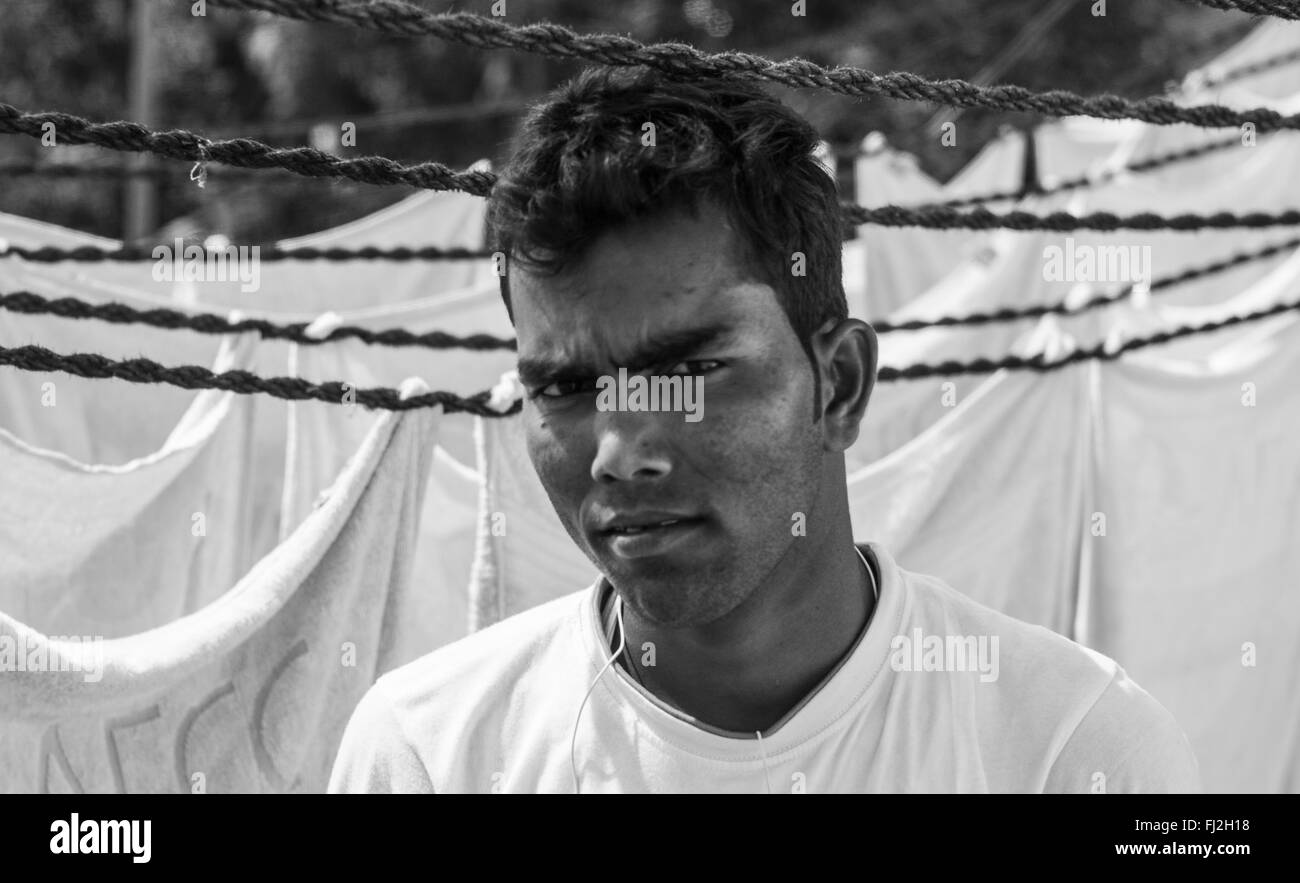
718 397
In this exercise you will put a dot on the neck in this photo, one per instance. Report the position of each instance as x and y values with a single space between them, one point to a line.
745 671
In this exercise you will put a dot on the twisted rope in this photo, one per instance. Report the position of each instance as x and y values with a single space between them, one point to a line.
209 323
1012 314
242 152
1255 67
38 358
92 365
686 62
1249 70
118 171
1146 165
1288 9
979 218
69 170
180 144
49 254
1040 363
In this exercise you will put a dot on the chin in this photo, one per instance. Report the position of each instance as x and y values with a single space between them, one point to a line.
678 604
676 592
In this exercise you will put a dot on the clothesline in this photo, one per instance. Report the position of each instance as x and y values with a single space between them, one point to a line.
1211 80
1091 180
244 152
1007 314
30 303
1285 9
93 365
682 61
1022 454
941 218
71 170
49 254
122 170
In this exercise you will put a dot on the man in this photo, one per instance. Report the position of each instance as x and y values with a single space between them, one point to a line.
738 639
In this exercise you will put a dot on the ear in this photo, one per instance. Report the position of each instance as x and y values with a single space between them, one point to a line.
846 353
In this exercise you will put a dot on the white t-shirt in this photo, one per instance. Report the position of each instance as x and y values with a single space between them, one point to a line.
1034 712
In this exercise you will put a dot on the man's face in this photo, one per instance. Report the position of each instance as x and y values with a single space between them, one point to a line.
735 479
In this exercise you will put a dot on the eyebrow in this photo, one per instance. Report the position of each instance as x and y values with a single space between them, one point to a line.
669 346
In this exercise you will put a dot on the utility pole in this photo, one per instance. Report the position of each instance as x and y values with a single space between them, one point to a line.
140 215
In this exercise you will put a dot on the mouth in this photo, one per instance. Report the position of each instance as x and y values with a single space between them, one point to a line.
631 530
646 540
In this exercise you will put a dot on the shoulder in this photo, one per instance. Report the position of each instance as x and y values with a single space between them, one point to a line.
1057 700
504 651
1028 657
1126 743
407 719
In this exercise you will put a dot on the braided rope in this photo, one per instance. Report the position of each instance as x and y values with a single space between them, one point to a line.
682 61
68 170
180 144
242 152
1255 67
92 365
979 218
1040 363
27 302
1011 314
118 171
115 172
1249 70
1288 9
1146 165
88 253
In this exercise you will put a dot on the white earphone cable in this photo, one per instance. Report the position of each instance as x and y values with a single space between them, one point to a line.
622 642
573 742
763 754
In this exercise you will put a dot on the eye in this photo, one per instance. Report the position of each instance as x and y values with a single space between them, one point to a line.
558 390
696 363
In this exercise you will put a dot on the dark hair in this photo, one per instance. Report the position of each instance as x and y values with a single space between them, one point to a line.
579 167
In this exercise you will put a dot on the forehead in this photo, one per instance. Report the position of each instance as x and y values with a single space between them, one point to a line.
666 273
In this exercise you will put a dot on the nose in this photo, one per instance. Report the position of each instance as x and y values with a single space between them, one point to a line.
629 447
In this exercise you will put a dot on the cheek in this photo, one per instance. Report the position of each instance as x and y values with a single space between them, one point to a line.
756 438
556 455
758 433
563 467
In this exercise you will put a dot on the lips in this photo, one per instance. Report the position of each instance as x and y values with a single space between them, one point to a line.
633 530
669 536
633 524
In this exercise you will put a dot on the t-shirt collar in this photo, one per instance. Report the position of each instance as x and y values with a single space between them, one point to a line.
852 681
